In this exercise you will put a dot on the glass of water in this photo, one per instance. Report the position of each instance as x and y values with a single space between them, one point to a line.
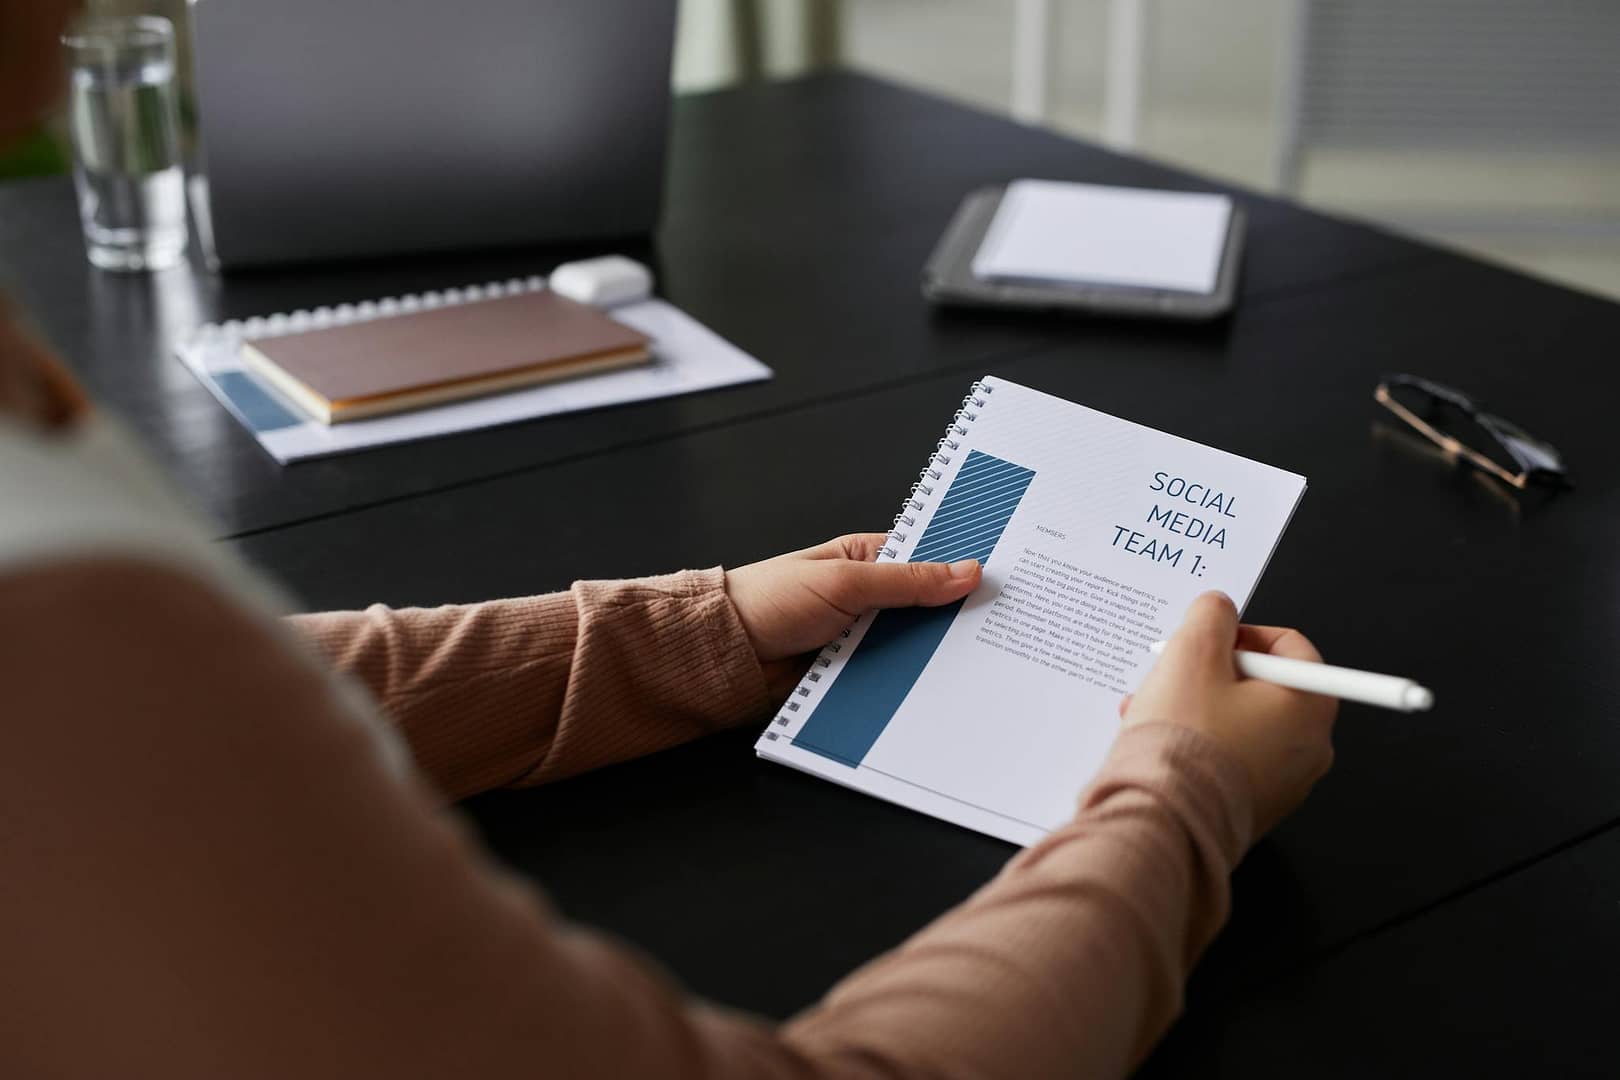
125 128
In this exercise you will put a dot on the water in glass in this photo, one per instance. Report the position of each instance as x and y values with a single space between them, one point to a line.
126 142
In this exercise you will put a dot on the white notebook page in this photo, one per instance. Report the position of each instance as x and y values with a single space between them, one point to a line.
1096 534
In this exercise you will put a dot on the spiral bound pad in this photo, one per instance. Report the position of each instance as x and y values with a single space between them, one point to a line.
993 711
688 357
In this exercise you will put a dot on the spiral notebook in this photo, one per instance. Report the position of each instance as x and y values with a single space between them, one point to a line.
686 357
1095 535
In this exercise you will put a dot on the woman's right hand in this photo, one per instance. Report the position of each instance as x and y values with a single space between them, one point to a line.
1282 737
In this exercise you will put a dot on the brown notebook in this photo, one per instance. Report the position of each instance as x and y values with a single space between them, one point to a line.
424 358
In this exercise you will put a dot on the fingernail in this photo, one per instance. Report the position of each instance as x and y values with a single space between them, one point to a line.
964 568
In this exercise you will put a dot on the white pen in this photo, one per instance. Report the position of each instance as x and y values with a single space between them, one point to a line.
1367 687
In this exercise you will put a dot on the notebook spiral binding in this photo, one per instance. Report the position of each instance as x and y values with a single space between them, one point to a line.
320 318
976 397
949 443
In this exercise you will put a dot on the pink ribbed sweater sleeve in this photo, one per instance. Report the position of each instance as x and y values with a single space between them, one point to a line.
552 685
212 858
519 692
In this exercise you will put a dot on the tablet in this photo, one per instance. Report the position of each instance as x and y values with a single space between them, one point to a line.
949 277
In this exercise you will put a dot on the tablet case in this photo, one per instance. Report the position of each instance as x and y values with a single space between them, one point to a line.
948 277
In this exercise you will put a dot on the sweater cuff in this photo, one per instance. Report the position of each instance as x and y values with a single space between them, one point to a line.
1189 771
699 641
728 668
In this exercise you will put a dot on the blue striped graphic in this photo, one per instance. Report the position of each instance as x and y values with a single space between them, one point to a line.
970 520
975 510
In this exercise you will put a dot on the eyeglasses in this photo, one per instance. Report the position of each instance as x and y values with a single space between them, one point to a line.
1461 427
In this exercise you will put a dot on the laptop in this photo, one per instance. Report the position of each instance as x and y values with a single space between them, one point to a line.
346 128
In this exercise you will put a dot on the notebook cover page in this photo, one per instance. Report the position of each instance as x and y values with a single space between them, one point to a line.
446 345
1095 534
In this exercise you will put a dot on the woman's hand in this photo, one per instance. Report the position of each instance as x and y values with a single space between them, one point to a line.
34 388
1282 737
794 604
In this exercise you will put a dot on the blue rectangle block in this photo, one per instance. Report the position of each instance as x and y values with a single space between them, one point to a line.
971 517
258 410
897 646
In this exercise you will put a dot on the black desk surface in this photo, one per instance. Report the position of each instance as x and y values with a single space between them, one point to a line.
1447 901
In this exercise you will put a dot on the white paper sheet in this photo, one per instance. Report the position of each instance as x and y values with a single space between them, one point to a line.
1045 230
1096 534
688 356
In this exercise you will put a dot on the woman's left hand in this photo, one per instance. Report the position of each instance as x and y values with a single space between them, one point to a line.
34 388
794 604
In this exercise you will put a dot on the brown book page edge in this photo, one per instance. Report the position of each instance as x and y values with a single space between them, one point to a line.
337 412
268 370
628 338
